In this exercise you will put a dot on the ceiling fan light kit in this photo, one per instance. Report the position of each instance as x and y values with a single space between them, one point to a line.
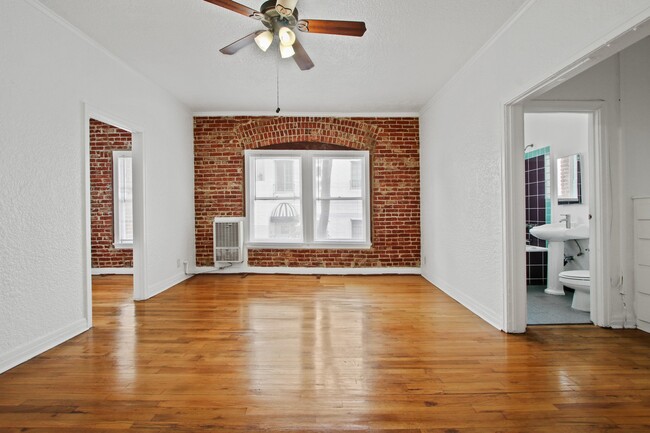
264 40
286 51
280 17
286 36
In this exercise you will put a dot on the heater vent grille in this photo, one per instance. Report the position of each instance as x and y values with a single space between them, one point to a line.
228 240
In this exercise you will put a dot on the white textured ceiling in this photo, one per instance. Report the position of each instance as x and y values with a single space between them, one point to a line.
411 48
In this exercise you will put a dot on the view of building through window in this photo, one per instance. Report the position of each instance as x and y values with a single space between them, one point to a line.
339 201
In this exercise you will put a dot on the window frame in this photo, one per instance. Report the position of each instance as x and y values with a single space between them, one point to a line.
118 242
308 199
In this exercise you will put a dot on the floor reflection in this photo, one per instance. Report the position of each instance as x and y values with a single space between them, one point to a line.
306 347
241 353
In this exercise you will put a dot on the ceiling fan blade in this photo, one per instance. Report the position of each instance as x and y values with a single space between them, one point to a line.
236 7
301 57
241 43
344 28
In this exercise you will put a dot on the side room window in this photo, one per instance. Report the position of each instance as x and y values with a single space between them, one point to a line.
310 199
122 200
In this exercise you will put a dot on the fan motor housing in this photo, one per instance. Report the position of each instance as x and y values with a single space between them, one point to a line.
273 20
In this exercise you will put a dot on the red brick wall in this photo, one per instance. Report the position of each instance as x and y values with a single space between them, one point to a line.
104 139
219 144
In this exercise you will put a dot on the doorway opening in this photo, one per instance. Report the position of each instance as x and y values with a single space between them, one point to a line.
610 304
557 180
113 207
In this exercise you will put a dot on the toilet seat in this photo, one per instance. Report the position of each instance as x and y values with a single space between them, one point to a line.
578 281
581 275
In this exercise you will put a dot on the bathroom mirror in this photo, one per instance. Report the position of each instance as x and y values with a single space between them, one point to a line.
569 184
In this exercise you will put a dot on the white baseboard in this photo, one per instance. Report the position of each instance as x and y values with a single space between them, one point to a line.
161 286
617 321
42 344
114 271
643 325
468 302
243 269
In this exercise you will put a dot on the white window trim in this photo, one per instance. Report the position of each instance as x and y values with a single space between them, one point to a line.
117 242
308 201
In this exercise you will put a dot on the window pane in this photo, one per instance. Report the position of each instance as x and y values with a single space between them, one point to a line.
277 220
125 199
277 205
338 177
277 177
339 220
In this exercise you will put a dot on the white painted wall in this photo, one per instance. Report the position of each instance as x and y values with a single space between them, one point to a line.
635 133
48 72
462 133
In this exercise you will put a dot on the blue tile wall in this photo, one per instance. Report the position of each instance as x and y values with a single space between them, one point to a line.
538 211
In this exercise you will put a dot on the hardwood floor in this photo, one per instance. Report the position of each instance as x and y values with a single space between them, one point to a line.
331 354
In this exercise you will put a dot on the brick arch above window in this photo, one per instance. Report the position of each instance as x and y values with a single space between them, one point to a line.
302 145
286 131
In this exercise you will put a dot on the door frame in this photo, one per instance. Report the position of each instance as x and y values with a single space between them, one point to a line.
513 204
515 314
139 245
515 302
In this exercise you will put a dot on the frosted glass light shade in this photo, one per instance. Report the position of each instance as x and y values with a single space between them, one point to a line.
286 36
286 51
264 40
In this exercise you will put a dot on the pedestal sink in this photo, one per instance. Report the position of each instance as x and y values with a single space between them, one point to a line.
556 234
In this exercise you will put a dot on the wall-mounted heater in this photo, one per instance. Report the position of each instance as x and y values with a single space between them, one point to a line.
228 240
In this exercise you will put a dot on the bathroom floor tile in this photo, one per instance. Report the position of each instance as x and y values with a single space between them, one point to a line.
544 309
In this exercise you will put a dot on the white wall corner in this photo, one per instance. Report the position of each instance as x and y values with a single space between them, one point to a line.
42 344
461 296
643 326
161 286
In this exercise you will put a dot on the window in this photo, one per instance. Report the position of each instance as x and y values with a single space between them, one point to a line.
122 200
310 199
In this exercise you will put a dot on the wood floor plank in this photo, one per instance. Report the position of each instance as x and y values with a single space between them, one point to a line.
274 353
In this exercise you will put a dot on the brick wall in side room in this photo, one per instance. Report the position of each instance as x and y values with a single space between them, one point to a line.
104 139
393 143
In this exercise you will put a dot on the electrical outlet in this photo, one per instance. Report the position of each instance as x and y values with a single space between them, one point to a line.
178 263
424 260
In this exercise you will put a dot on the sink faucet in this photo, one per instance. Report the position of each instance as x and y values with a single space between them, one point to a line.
566 219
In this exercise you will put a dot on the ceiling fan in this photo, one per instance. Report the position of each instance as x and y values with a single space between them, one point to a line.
280 17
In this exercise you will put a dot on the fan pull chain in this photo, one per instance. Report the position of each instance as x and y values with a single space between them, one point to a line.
277 86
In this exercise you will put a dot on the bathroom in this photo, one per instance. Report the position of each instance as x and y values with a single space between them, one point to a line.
557 197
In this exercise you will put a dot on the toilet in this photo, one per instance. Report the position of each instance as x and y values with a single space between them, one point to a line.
578 281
